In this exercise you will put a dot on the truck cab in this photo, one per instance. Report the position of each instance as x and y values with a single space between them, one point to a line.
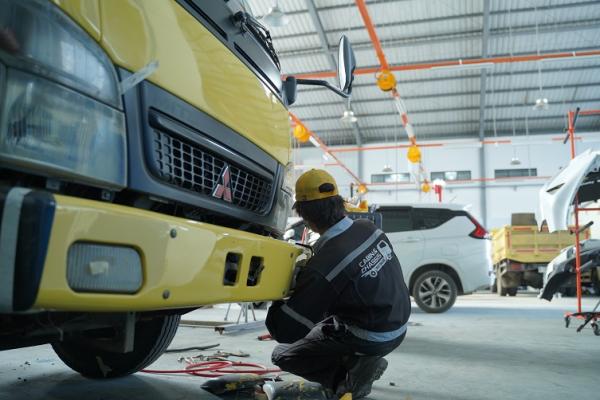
144 171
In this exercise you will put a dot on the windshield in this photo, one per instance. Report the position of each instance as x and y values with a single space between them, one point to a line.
234 24
248 23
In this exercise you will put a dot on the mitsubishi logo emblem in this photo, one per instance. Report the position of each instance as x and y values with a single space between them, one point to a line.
223 188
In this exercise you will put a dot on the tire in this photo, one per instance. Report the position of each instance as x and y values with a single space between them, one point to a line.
152 337
512 292
596 328
500 289
435 291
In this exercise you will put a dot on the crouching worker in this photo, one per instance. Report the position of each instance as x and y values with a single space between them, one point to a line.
350 305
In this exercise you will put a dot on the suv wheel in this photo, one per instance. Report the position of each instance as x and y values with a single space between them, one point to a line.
435 291
152 337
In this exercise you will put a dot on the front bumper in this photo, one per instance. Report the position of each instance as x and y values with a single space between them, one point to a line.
183 262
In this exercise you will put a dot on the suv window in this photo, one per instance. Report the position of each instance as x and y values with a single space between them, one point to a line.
396 220
429 218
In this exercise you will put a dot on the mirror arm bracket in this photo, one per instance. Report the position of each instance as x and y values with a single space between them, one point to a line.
316 82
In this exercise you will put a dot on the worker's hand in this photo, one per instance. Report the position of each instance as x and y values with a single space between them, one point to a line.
300 264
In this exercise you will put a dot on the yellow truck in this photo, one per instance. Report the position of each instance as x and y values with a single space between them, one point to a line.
520 253
144 172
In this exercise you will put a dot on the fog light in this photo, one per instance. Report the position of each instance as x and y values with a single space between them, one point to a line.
99 268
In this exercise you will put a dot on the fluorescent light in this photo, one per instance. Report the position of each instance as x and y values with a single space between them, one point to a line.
314 141
487 65
574 57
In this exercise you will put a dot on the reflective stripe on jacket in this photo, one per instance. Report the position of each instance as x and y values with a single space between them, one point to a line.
354 275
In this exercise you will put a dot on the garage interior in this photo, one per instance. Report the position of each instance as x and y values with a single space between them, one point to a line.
484 113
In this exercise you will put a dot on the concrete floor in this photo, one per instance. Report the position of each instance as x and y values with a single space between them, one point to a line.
486 347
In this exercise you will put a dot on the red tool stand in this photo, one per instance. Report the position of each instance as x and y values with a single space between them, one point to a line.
587 316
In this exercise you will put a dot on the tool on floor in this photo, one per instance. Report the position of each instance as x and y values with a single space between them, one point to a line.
297 390
235 383
219 355
199 348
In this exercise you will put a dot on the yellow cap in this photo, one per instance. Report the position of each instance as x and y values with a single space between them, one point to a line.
315 184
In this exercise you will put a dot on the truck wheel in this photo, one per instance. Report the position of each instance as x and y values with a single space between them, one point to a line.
512 292
596 328
435 291
500 288
152 337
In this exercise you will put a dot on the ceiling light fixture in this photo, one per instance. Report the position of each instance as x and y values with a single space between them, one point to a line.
348 116
275 17
541 104
515 161
387 169
488 65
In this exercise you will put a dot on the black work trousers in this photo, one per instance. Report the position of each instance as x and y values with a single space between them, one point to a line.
327 353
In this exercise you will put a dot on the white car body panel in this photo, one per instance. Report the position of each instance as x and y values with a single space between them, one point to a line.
448 244
558 195
408 247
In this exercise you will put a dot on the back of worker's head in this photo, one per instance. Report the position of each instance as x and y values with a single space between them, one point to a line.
318 201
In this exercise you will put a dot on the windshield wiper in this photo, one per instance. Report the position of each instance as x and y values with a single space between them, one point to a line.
248 23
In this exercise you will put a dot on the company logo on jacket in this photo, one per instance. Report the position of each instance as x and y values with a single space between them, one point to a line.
375 260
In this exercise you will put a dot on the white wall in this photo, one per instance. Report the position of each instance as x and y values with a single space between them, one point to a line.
543 152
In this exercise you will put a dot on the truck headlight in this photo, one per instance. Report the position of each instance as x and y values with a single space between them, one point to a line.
61 113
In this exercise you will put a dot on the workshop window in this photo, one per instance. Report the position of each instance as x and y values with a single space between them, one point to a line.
451 175
397 177
512 173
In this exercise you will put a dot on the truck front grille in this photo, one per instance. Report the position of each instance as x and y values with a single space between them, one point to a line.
192 167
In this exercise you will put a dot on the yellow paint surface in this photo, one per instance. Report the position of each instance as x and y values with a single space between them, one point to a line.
190 266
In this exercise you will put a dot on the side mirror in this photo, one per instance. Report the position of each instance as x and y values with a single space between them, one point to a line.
346 65
290 90
289 234
345 74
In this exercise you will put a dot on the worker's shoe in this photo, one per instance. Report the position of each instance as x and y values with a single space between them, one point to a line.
362 375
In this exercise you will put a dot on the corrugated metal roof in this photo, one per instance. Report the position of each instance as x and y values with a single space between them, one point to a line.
445 103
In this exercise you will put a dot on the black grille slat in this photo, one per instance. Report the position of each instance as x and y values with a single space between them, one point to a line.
192 167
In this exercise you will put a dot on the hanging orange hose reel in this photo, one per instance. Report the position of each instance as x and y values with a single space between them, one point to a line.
386 80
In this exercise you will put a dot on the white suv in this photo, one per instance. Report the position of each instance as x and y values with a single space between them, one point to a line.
443 251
